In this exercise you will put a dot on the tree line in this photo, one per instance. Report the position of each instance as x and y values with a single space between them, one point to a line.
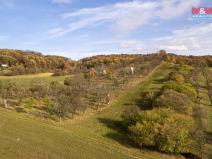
27 62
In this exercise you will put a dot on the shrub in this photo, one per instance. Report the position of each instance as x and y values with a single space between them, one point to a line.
185 88
47 102
146 127
176 101
174 134
130 116
176 77
39 89
163 129
60 73
90 74
144 133
29 102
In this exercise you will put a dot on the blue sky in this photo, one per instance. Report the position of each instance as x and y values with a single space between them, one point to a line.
80 28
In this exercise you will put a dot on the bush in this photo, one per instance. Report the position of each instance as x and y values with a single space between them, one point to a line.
184 69
46 102
60 73
29 102
176 77
39 89
146 127
185 88
176 101
163 129
130 116
174 134
144 134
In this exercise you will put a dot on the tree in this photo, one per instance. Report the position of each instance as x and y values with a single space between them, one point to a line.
8 89
65 100
144 133
174 134
130 115
176 101
39 89
162 129
90 74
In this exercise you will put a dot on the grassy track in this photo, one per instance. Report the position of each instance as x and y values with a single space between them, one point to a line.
94 137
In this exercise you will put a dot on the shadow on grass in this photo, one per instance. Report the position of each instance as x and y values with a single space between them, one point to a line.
118 134
20 110
159 81
209 137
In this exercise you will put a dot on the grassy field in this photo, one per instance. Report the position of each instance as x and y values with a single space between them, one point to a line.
94 135
25 80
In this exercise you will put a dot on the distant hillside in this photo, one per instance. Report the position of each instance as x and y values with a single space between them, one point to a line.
15 62
134 59
122 60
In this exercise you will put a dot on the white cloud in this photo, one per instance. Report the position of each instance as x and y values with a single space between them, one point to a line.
131 45
62 1
126 17
174 8
195 39
190 40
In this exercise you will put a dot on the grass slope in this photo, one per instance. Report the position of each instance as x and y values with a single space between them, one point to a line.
95 136
25 80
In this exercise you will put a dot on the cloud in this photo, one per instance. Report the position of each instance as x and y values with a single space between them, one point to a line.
194 39
131 45
62 1
125 17
174 8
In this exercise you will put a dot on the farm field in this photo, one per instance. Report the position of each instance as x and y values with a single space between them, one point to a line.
23 136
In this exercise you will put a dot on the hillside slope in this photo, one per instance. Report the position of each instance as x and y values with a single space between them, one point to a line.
96 137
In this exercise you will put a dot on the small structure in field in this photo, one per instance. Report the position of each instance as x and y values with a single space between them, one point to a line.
104 72
4 65
132 70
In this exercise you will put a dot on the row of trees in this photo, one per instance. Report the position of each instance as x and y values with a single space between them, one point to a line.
168 124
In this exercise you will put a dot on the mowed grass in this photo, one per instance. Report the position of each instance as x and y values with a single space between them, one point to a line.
96 136
26 138
25 80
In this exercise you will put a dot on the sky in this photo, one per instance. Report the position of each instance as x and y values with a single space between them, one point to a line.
81 28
